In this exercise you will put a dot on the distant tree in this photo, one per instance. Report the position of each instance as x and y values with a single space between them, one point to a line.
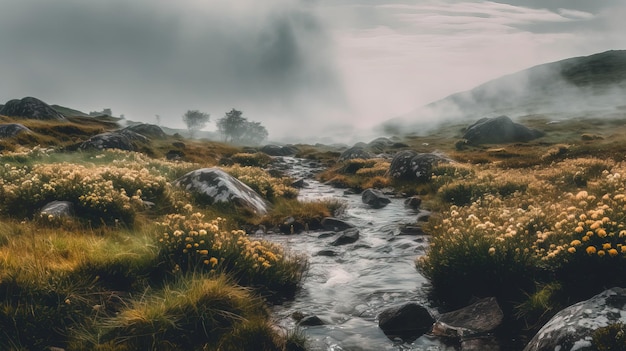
158 119
231 125
255 133
237 129
195 120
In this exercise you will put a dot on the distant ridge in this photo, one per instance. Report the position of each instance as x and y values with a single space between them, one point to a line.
587 83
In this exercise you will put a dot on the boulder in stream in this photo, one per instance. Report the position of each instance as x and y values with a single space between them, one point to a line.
480 317
335 224
375 198
356 152
407 321
348 236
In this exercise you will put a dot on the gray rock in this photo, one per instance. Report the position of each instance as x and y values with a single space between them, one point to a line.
57 209
335 224
480 317
276 150
355 152
375 198
409 165
174 155
379 145
480 344
311 321
348 236
213 185
572 328
109 140
32 108
326 253
12 129
413 202
148 130
409 320
411 230
499 130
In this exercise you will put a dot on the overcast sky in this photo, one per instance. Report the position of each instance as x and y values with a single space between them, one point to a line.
294 65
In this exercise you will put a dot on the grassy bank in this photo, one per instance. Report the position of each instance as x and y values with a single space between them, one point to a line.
139 265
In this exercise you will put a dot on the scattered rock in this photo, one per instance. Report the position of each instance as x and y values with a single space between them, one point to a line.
174 155
355 152
276 150
148 130
12 129
109 140
413 202
499 130
412 230
57 209
335 224
300 183
572 328
480 317
407 321
32 108
310 321
179 144
348 236
409 165
591 137
213 185
326 253
423 216
375 198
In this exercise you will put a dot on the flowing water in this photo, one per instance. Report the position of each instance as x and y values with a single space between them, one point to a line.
349 285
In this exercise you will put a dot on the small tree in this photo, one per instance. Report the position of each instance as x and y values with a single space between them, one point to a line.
237 129
195 120
231 125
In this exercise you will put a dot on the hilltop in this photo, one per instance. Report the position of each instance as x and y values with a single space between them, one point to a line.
588 85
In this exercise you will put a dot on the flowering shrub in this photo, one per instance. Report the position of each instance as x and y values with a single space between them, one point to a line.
191 243
98 193
260 181
502 243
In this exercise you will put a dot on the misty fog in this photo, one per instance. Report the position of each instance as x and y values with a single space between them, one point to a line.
309 70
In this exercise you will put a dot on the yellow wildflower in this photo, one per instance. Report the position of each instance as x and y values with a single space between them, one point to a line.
613 252
601 253
591 250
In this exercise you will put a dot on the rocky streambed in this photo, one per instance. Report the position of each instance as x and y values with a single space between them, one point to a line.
349 284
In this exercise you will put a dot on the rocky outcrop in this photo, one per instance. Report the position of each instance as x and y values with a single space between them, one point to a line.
407 321
499 130
374 198
409 165
213 185
572 328
12 129
355 152
148 130
32 108
57 209
276 150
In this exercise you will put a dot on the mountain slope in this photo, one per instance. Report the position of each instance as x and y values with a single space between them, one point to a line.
595 83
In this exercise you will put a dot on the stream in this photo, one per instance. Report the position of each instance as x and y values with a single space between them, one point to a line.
348 285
